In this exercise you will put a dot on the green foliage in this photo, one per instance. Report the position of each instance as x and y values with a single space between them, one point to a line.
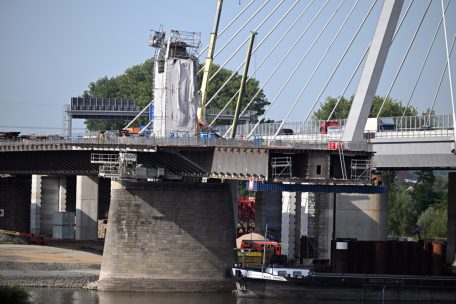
402 211
226 94
434 223
424 204
391 108
135 83
340 112
424 194
14 295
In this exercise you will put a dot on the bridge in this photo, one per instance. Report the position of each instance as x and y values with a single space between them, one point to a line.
166 191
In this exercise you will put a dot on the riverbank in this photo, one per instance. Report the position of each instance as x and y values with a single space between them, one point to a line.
61 264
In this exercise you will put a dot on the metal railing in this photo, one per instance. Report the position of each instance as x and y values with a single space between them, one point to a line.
308 136
281 142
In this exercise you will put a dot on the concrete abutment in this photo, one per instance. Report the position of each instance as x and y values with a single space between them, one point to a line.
168 237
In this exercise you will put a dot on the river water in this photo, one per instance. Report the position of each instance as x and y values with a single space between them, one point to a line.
81 296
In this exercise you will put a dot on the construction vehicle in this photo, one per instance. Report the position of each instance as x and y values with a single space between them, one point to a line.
254 254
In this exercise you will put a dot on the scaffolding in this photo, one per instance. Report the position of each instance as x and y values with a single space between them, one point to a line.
120 166
281 167
361 169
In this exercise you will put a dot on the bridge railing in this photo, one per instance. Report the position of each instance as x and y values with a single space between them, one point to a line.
404 126
424 122
280 142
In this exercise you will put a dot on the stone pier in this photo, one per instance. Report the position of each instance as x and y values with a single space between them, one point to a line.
168 236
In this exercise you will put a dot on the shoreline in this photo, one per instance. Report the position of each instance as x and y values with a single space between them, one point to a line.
48 266
57 275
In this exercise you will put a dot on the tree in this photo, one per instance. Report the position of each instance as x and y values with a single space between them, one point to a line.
136 83
434 222
424 194
391 108
402 211
340 112
219 102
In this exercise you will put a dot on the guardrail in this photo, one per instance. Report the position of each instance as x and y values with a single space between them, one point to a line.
142 142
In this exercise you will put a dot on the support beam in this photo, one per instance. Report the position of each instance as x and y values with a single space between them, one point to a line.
86 207
372 72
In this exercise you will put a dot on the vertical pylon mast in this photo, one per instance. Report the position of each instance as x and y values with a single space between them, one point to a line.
208 63
372 72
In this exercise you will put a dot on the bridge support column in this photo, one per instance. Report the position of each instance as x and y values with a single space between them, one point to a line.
35 205
360 216
62 193
451 247
291 224
48 196
86 207
268 208
168 237
15 198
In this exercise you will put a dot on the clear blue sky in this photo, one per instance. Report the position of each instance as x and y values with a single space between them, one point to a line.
52 49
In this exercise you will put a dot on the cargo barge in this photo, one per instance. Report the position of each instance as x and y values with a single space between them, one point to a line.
305 284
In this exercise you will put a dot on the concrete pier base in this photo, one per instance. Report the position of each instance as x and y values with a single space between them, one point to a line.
168 237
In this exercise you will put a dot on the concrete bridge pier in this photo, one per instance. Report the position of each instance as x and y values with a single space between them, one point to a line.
86 208
291 215
48 195
15 197
167 236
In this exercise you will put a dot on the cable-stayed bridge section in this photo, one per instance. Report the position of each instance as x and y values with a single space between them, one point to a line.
166 192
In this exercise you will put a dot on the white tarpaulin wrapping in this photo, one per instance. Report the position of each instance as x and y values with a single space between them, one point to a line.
176 100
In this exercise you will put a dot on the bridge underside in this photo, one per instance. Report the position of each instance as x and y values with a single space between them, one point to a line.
219 162
413 153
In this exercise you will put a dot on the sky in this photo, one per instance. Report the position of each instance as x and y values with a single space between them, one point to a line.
50 50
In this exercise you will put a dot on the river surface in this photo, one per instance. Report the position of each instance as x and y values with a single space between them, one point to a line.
81 296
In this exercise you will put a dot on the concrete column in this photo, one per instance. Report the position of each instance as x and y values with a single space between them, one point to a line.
451 246
86 208
288 231
49 203
306 205
360 216
268 210
323 224
168 237
234 199
15 203
62 193
35 205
